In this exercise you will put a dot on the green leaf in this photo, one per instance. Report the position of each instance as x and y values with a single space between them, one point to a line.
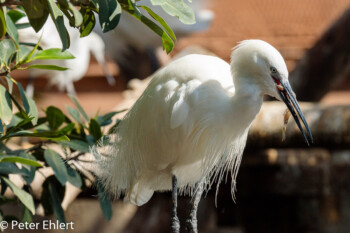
1 127
78 18
77 145
11 28
7 49
167 42
57 136
10 168
161 21
57 17
63 4
52 54
27 216
46 67
177 8
114 127
29 104
39 127
3 188
107 118
37 12
74 16
31 45
93 5
22 195
57 164
16 159
17 122
81 110
21 112
55 117
105 203
67 129
5 105
30 170
10 82
89 22
74 113
24 51
2 24
15 125
95 129
27 58
74 177
22 25
130 6
109 14
15 15
52 197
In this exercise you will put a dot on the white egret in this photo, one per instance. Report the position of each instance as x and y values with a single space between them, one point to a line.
80 48
191 123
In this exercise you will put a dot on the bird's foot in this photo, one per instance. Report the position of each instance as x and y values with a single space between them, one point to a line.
175 225
191 225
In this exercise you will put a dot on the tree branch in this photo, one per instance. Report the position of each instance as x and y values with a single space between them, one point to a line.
330 126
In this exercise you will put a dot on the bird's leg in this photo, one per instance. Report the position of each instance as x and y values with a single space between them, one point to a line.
100 57
191 222
175 223
30 86
70 88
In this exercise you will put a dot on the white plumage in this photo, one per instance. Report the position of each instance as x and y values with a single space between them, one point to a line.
190 122
80 48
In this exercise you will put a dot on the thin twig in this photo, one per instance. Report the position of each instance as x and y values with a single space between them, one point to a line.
84 171
41 173
84 161
37 146
75 157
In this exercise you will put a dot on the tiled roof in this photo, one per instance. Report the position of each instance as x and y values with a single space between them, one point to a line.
291 26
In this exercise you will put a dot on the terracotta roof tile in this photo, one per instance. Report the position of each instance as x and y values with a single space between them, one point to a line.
290 25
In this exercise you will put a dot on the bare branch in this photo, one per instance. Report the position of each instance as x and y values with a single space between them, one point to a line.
330 126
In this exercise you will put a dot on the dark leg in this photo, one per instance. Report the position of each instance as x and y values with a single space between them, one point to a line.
30 86
191 222
175 223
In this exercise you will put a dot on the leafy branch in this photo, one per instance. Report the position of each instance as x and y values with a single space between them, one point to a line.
81 14
62 139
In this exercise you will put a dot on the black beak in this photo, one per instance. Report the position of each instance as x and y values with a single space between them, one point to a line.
288 97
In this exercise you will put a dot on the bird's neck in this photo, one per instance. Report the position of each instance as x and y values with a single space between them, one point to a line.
245 105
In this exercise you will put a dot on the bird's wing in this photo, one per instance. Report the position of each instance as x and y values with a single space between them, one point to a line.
179 112
182 77
181 107
195 99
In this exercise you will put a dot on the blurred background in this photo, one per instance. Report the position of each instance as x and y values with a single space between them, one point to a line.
281 187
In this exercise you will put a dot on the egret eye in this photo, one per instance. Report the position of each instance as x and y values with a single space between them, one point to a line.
273 69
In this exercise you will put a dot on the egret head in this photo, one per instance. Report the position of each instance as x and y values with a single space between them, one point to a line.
259 64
